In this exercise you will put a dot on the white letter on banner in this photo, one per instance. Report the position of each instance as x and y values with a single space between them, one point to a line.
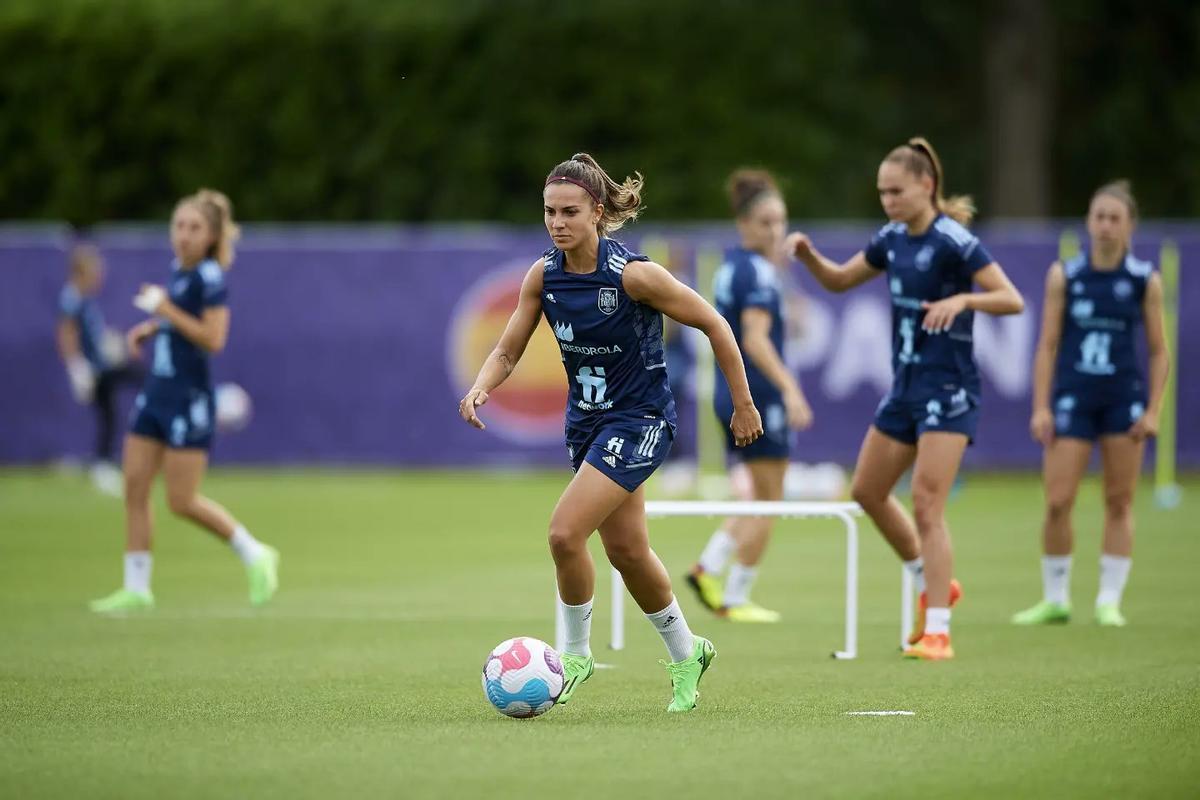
1004 350
863 353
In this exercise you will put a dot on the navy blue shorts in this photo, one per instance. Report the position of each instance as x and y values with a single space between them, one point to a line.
775 441
952 411
185 421
1090 416
626 449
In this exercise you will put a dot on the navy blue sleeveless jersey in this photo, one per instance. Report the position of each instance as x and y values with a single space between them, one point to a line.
86 314
611 346
935 265
177 366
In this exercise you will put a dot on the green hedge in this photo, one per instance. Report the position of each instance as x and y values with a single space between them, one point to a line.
345 110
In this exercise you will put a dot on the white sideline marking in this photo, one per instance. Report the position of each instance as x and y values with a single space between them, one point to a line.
881 713
605 666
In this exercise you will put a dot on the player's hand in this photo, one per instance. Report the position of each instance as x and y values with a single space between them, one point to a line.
746 425
138 334
466 407
940 316
1145 427
150 298
799 246
83 379
799 413
1041 427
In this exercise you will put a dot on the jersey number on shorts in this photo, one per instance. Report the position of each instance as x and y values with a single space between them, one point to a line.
593 383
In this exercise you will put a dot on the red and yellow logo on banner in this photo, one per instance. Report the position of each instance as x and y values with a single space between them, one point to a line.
528 407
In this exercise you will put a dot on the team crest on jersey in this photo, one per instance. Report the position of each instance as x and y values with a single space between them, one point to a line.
924 258
1123 289
607 301
179 287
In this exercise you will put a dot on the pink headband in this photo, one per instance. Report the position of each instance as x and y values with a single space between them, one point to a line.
580 184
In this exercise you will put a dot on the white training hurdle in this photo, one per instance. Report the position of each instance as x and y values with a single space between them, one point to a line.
846 512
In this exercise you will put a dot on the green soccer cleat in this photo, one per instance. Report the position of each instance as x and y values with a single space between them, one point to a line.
686 674
750 612
264 576
576 670
708 588
123 601
1044 613
1110 616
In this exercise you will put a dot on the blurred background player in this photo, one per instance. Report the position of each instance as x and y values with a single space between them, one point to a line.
174 415
748 295
1086 354
605 305
95 358
930 415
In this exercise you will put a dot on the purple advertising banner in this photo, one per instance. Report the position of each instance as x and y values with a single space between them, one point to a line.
356 343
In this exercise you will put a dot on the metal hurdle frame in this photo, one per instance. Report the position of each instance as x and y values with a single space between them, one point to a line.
844 511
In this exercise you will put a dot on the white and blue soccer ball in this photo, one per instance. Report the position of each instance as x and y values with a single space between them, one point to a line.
233 407
523 677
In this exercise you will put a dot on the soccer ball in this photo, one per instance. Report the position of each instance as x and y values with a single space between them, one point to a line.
522 677
233 407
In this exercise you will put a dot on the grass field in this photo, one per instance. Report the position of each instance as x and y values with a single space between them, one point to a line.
362 679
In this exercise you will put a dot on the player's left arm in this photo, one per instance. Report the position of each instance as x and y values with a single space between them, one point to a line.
999 297
650 283
1160 358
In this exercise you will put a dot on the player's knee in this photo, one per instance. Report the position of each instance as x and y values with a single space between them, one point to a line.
1118 505
625 555
928 505
180 503
137 492
866 496
564 543
1059 504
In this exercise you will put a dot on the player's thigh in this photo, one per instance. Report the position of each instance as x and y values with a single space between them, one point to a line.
624 531
140 460
1121 460
589 499
882 459
766 476
183 471
939 455
1063 465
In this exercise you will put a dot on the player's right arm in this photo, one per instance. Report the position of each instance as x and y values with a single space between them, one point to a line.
1041 425
508 351
833 276
758 347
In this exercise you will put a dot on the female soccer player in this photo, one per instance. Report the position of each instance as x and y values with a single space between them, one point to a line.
173 423
931 412
95 372
605 305
748 296
1094 303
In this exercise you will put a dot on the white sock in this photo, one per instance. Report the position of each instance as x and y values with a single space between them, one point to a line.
738 584
674 630
937 620
137 571
246 546
717 552
1114 571
1056 579
578 620
917 568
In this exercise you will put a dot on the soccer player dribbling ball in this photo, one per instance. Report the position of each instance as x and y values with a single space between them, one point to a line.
605 305
930 415
748 294
174 414
1086 353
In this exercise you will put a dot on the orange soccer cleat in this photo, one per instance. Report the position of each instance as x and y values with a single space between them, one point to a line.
931 647
919 627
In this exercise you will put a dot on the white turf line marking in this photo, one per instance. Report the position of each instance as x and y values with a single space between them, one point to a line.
605 666
881 713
